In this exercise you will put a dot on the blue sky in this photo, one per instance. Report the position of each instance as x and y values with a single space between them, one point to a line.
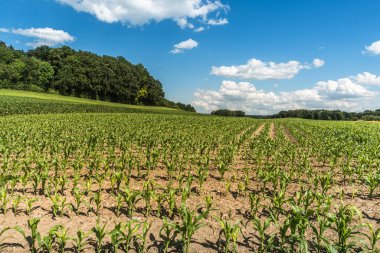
260 56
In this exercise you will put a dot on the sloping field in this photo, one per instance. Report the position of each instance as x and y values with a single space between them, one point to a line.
25 102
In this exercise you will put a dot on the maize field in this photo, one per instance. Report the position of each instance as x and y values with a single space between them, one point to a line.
140 182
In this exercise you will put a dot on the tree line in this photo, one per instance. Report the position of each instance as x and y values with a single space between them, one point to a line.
228 113
367 115
326 115
69 72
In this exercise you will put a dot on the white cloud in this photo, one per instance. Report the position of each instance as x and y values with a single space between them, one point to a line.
318 63
140 12
184 23
366 78
199 29
374 48
184 45
259 70
343 94
221 21
344 87
43 36
4 30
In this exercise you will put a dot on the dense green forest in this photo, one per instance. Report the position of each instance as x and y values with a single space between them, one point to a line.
82 74
228 113
328 115
308 114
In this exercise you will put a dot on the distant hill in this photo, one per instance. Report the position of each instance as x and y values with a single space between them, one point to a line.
68 72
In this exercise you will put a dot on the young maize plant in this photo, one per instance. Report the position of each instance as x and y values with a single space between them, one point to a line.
265 240
228 186
100 234
131 198
124 235
16 200
209 201
241 189
185 193
4 199
254 204
13 182
170 198
372 181
119 201
160 197
62 238
96 198
321 241
78 197
203 174
167 234
116 237
29 205
190 223
230 232
35 240
346 232
81 240
58 205
374 238
222 169
148 194
48 242
116 180
36 180
142 238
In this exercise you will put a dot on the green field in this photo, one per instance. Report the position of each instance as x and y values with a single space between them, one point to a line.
26 102
153 182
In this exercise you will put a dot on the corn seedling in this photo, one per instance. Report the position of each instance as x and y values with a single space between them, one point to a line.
265 240
29 205
230 232
100 234
189 224
80 241
167 233
131 198
62 238
374 238
142 238
346 232
15 204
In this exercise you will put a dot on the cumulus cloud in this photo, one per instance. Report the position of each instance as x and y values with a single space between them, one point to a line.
318 63
42 36
140 12
259 70
342 88
345 94
184 45
374 48
366 78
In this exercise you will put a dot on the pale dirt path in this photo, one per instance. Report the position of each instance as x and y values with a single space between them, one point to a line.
258 130
272 131
239 158
288 135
